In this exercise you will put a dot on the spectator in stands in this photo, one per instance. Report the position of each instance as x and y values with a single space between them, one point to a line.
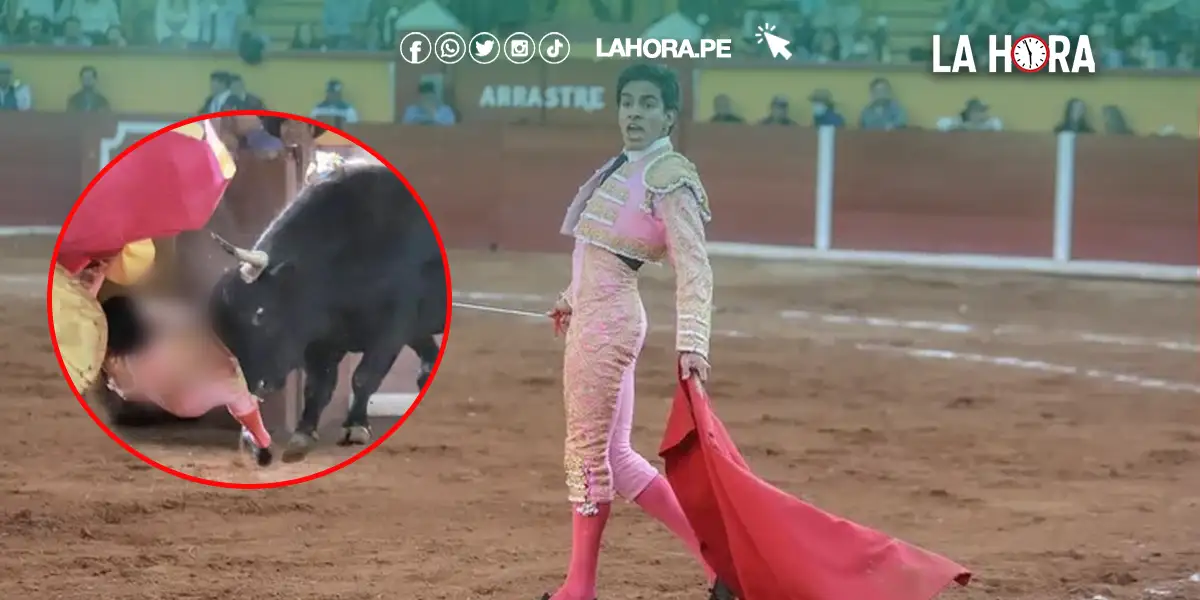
95 16
1036 21
219 22
863 50
115 38
341 18
1108 55
239 98
884 112
1114 121
429 109
880 38
723 110
40 9
1185 58
14 94
824 111
305 38
1074 118
974 117
825 48
176 23
88 98
73 35
35 31
1145 53
218 84
334 109
143 29
778 113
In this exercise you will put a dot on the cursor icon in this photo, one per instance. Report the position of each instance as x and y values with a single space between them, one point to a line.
777 45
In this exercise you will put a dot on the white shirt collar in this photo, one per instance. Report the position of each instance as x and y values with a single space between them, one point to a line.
659 144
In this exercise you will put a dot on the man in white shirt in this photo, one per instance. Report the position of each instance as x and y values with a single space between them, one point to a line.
14 95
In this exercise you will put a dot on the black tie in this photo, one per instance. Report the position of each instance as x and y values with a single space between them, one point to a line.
622 158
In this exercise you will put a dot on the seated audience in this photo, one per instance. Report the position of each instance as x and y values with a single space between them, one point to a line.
974 117
429 109
723 110
884 112
95 16
824 111
1074 118
778 113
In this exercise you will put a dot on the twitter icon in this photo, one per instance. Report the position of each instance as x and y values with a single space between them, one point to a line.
484 48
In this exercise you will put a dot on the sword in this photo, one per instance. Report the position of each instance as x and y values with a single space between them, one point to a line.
503 311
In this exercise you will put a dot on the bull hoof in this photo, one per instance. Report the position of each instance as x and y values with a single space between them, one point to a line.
299 446
355 435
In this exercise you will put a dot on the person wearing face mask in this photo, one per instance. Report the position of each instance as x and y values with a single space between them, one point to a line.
646 205
824 112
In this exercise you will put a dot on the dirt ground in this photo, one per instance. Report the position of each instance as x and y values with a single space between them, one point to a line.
1056 462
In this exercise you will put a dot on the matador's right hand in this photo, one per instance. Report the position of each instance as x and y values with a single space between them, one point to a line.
561 314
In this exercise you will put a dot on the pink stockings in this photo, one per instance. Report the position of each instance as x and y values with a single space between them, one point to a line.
633 478
657 500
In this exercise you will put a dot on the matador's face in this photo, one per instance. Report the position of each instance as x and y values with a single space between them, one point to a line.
642 116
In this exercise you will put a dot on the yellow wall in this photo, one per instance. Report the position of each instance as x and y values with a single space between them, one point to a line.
178 83
1024 103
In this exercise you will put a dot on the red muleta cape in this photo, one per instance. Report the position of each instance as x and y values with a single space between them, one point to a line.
170 184
767 545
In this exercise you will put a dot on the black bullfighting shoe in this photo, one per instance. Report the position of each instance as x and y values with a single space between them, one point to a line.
547 597
720 591
263 457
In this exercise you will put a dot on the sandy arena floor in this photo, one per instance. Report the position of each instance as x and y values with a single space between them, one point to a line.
982 416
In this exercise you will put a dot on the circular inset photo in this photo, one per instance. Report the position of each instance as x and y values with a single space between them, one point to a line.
247 299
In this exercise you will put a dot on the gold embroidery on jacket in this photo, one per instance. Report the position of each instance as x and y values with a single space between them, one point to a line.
670 171
597 234
683 215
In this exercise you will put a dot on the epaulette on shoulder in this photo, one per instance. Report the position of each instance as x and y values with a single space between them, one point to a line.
671 171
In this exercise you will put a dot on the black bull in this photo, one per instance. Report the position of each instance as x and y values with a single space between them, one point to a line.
351 265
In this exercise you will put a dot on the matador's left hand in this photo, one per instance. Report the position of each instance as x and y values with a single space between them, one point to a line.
694 365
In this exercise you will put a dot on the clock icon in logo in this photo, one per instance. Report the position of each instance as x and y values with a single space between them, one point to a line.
1029 53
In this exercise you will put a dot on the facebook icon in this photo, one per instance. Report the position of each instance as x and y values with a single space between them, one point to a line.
416 48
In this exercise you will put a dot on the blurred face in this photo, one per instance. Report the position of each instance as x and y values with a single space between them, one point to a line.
88 79
642 117
779 110
1076 111
216 85
722 105
114 36
35 27
881 91
238 87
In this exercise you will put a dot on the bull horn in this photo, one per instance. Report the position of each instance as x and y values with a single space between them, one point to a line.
255 258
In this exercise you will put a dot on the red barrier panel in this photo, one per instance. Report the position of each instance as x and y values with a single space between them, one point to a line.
918 191
1136 199
506 186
